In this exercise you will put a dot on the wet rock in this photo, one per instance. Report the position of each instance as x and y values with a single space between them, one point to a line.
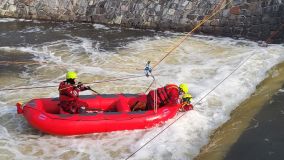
215 22
238 19
235 10
226 13
12 8
11 2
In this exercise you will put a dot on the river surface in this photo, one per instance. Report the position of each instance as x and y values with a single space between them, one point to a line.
34 54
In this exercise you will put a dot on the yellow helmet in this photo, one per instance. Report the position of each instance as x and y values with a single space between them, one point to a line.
183 87
186 98
187 95
71 75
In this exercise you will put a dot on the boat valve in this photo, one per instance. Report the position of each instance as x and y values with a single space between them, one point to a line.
19 108
148 69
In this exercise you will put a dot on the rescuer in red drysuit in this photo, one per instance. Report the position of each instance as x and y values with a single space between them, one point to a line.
168 94
69 95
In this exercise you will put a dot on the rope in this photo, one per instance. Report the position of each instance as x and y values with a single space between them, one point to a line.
150 86
20 62
241 64
155 98
189 33
95 82
116 79
11 89
60 65
193 105
168 53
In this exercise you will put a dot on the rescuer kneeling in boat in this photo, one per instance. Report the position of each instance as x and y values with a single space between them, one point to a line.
168 94
69 95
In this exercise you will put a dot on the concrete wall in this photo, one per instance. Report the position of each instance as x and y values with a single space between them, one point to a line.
253 19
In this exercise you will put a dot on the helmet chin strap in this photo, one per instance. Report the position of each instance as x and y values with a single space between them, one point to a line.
71 81
180 92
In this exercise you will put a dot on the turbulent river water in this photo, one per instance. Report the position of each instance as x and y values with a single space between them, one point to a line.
34 54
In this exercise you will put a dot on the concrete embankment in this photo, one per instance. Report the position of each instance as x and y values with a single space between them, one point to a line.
255 128
253 19
264 137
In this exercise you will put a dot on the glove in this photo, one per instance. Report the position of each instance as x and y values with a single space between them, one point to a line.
185 108
79 84
188 107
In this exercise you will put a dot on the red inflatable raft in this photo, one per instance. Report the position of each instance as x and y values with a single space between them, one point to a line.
44 115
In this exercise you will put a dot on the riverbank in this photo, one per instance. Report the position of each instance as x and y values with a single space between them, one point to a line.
243 130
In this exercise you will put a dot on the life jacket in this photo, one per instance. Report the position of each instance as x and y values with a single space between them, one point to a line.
68 92
165 95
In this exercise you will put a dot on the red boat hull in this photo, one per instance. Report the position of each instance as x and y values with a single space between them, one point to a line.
43 114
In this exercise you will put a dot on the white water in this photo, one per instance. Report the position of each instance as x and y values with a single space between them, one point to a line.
100 26
13 19
201 61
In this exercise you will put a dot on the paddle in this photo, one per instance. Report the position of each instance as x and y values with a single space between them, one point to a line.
87 87
93 90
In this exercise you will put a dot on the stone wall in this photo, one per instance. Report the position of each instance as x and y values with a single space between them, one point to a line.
253 19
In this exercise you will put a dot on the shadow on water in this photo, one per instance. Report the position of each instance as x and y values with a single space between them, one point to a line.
14 124
7 59
29 33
